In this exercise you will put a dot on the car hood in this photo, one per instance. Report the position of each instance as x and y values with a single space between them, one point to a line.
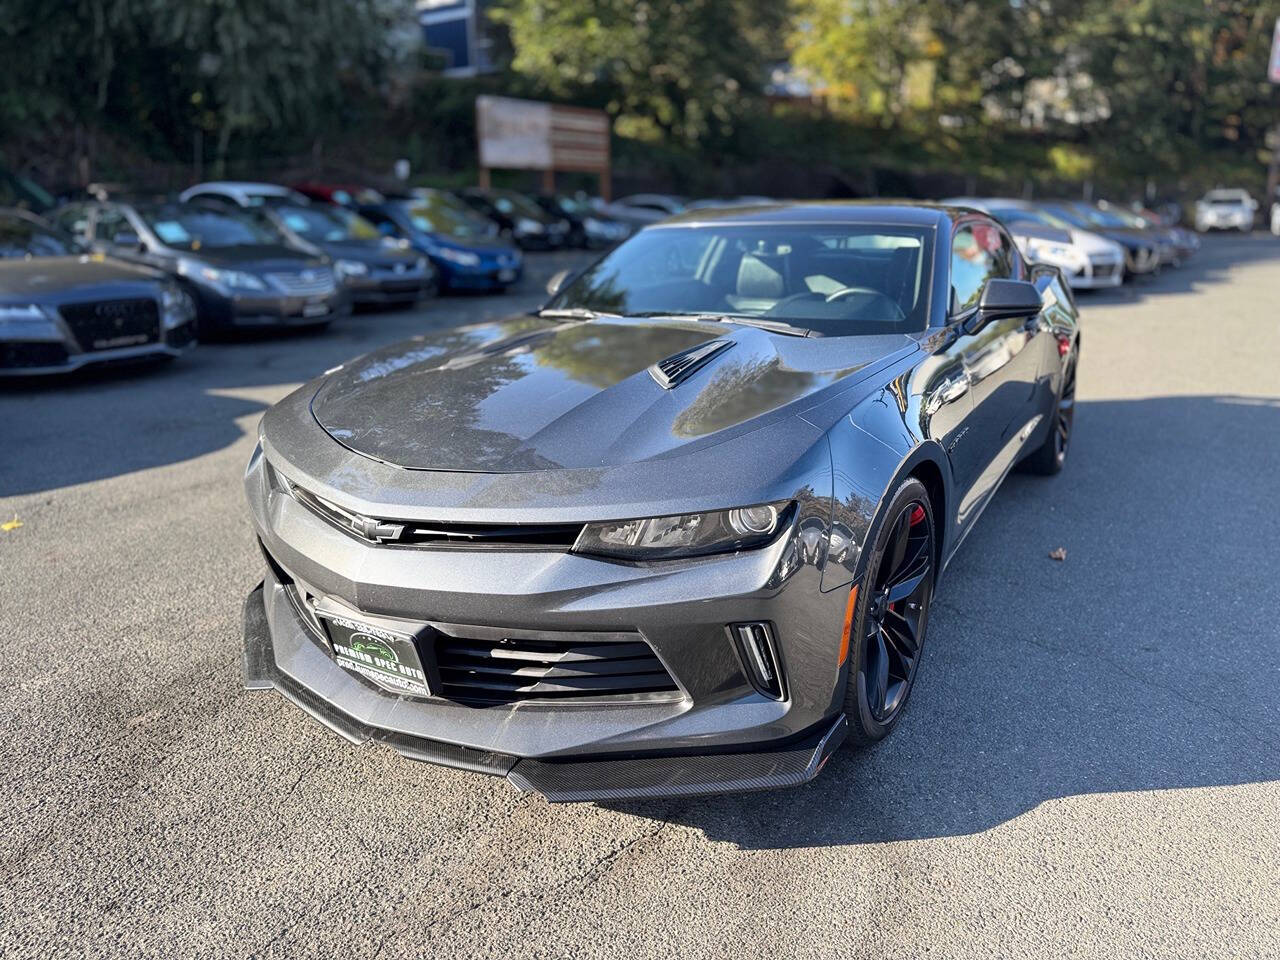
1091 243
528 394
61 277
257 257
368 251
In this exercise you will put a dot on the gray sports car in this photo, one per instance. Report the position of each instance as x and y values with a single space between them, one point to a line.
675 533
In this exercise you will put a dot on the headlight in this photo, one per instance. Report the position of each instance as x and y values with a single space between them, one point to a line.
683 535
236 279
594 226
26 321
176 308
463 258
529 225
1055 252
350 268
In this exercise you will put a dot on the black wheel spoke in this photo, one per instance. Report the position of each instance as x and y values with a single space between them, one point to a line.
894 614
897 550
878 686
903 633
904 588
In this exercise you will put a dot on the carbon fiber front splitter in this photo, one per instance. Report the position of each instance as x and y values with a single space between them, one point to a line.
559 780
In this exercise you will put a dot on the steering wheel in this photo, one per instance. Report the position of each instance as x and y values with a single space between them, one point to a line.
850 291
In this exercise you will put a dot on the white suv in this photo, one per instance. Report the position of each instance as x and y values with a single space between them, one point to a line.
1225 210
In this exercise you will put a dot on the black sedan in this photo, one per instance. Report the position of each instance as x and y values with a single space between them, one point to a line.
589 229
677 532
241 273
62 308
519 218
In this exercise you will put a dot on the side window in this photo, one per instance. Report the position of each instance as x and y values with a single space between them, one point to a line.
979 251
110 222
74 220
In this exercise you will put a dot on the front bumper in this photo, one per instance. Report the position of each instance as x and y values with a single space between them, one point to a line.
390 288
679 610
565 779
1097 274
252 310
46 358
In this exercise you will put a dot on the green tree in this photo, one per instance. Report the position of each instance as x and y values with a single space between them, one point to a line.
677 69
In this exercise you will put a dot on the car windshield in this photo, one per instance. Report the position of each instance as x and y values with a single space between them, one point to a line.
21 239
437 212
190 227
834 279
1103 218
513 204
1225 199
323 224
1023 215
1067 216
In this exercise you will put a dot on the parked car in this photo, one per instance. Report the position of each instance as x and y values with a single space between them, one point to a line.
1087 261
1141 251
588 228
460 247
468 221
343 194
1182 243
641 209
679 532
62 309
519 218
240 273
241 193
1226 209
371 268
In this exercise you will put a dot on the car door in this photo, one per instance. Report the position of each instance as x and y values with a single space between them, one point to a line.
1001 364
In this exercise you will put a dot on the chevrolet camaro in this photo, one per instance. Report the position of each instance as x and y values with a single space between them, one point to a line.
678 531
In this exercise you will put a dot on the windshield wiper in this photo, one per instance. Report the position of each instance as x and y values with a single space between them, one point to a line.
576 313
747 320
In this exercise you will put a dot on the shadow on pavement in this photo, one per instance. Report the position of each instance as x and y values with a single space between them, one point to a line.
1148 660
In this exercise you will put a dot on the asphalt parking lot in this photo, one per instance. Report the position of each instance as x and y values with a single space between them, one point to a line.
1090 765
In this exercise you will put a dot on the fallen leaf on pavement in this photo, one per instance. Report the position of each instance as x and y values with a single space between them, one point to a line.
1059 554
13 524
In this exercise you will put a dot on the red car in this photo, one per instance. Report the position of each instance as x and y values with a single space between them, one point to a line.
344 194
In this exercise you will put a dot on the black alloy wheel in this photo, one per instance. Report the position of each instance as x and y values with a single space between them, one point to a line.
1065 415
892 614
1051 456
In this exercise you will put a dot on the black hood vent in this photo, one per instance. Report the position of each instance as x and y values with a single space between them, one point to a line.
680 366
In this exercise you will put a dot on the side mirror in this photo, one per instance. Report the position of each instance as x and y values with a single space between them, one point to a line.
127 240
560 280
1004 299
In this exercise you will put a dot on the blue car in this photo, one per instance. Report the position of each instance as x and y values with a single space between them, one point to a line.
463 247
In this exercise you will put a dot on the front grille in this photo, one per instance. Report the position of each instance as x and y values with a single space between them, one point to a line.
16 356
1105 269
109 324
507 670
304 283
416 533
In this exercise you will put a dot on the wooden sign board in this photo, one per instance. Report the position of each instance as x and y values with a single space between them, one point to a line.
530 135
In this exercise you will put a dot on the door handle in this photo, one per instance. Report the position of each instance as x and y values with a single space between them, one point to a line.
948 391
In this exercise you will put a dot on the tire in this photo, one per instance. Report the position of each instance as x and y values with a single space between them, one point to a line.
1050 457
887 637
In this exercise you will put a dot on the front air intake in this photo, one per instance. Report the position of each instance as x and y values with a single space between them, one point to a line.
680 366
759 655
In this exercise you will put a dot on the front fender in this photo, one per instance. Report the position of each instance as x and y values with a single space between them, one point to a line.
866 470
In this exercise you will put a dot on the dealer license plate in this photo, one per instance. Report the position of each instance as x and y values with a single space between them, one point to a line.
315 309
506 276
385 657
